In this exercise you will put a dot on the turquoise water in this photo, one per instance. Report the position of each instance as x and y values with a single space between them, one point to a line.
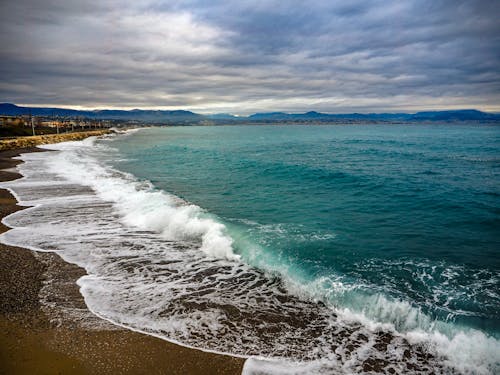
307 249
357 215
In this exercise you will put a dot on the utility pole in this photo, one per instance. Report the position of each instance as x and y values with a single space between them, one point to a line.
32 124
56 122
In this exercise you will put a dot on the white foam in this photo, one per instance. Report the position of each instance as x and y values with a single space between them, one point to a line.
264 366
465 349
139 204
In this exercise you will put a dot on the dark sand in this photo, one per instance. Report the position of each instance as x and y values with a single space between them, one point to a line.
65 338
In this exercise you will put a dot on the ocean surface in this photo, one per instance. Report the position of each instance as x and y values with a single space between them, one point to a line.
309 249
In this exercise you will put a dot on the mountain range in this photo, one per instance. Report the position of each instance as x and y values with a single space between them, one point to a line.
181 116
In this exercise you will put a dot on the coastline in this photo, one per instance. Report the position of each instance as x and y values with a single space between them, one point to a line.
66 337
35 140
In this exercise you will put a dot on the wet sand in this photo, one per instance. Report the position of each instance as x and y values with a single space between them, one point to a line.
61 336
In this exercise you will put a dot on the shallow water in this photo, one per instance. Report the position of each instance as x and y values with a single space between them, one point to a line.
339 245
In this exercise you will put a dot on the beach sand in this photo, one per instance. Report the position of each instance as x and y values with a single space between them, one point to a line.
60 336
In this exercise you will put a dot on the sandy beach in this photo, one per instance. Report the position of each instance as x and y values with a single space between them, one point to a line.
60 335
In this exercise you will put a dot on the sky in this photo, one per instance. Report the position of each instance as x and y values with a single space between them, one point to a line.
246 56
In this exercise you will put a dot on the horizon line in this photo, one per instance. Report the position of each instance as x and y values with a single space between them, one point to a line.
208 113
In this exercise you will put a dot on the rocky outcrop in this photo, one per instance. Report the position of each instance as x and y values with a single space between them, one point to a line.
27 142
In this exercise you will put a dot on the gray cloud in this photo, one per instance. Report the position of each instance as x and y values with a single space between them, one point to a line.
251 56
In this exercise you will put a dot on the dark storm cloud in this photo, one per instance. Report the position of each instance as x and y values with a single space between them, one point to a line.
252 55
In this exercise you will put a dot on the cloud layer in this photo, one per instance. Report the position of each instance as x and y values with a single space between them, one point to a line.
250 56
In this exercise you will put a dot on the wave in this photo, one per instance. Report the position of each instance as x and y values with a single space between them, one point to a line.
167 267
141 205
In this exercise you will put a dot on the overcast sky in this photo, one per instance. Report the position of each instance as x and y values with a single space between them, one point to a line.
249 56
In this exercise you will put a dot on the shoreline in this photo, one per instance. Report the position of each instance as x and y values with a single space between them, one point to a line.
30 142
65 337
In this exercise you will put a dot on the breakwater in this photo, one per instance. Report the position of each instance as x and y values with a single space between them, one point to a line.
33 141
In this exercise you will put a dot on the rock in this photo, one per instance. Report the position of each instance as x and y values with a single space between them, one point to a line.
32 141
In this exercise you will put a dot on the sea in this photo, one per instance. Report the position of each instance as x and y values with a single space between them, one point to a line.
307 249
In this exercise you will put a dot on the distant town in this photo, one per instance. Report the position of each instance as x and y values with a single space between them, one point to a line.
56 123
25 125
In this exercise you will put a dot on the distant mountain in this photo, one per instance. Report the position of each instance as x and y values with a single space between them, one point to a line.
135 114
460 115
313 115
187 117
222 116
270 116
11 109
146 115
14 110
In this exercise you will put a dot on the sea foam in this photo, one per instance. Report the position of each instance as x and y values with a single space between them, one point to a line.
140 205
